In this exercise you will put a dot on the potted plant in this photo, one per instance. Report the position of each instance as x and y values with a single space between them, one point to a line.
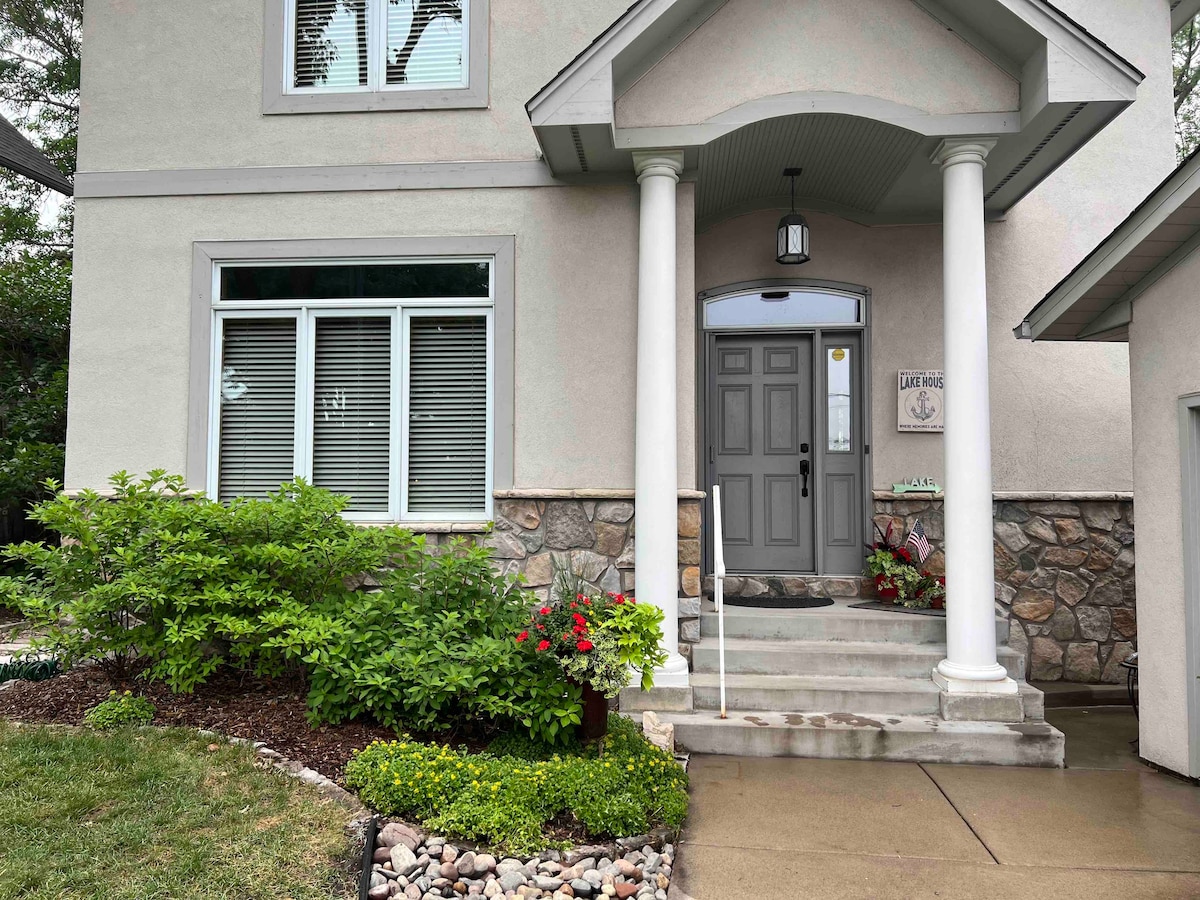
887 562
898 578
599 639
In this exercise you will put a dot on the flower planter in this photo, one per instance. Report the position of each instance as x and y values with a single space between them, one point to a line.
595 714
884 588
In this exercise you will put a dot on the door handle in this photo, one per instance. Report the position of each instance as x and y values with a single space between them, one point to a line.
804 469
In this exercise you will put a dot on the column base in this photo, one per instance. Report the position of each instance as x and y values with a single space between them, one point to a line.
961 680
672 673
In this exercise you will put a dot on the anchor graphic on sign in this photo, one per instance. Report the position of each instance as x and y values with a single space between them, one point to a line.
923 410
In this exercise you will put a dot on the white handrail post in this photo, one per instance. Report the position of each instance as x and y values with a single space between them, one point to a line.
719 589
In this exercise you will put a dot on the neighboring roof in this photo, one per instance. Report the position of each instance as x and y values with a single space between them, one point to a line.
20 155
1182 12
1094 302
1070 86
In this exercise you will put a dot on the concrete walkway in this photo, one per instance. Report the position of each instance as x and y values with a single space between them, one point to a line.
830 829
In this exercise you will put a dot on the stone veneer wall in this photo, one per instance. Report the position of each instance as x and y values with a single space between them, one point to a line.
1064 576
591 533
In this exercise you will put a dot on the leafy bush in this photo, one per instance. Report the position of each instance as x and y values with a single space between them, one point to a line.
434 650
507 801
187 583
119 709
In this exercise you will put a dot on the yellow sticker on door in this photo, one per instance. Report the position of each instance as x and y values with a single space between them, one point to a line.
839 354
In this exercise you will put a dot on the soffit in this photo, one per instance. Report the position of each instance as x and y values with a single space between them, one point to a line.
1096 300
850 165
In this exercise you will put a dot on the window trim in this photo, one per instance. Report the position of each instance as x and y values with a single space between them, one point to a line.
208 256
277 99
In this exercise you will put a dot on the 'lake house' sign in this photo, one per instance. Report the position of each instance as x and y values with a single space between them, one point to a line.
920 400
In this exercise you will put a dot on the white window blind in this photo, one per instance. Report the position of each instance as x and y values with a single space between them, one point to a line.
378 44
332 44
351 440
425 43
447 414
257 393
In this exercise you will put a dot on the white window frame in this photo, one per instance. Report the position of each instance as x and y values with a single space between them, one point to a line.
377 11
280 96
400 311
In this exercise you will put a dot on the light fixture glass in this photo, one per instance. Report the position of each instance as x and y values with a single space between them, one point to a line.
791 247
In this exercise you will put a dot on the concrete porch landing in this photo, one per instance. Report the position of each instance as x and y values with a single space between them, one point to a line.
851 830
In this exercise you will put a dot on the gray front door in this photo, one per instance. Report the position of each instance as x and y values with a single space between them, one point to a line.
761 434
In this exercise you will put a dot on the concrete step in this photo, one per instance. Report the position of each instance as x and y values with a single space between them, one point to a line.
839 622
840 735
799 693
747 656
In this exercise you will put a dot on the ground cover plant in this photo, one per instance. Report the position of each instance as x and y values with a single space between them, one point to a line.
141 813
120 709
513 796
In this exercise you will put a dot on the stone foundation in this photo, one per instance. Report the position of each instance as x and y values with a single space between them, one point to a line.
1064 575
590 533
1064 564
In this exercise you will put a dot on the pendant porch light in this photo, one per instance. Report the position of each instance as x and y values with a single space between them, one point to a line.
792 233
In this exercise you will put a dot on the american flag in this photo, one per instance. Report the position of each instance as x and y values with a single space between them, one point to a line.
918 541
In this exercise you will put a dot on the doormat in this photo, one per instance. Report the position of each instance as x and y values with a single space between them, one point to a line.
780 602
891 607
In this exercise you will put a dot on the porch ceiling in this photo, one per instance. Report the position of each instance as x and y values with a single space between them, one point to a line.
850 166
864 157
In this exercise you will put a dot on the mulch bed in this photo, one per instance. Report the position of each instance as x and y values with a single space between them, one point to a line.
268 710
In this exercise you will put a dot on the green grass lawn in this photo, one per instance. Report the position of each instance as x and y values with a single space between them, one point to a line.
153 813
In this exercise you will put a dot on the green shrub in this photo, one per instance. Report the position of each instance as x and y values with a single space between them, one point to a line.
187 583
434 650
507 802
119 709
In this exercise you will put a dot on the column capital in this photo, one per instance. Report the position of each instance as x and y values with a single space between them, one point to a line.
658 162
952 151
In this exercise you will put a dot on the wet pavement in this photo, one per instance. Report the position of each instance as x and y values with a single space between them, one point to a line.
1106 826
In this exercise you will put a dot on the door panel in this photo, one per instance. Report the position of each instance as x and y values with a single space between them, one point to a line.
762 395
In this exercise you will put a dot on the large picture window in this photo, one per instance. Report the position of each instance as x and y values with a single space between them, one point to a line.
372 379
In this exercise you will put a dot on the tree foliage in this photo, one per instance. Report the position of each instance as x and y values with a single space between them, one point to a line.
39 92
1185 57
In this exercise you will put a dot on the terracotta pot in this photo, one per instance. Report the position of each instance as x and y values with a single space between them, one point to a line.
884 589
595 713
939 603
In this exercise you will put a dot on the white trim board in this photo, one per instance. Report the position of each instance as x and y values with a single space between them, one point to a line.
330 179
1189 447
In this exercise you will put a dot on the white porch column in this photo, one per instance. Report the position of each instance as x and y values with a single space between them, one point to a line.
656 479
970 665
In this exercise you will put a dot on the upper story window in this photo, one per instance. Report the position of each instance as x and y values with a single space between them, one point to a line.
359 55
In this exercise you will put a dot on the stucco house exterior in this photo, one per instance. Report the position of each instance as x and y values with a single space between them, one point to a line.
515 261
1138 287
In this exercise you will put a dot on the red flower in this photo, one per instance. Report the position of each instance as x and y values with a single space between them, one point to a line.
524 635
541 627
620 599
587 602
574 605
583 646
545 610
579 619
566 637
544 645
579 596
579 629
